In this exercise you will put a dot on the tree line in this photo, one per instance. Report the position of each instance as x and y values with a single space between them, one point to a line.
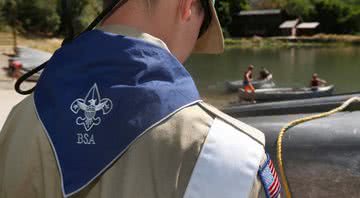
64 17
335 16
49 17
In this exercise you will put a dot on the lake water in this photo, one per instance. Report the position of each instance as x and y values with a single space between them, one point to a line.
291 67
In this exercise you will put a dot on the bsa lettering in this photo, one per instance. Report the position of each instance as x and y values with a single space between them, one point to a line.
85 139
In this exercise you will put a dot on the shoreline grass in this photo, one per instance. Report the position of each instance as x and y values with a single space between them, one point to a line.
50 44
320 40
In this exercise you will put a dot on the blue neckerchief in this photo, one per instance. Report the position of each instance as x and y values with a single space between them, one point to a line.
99 94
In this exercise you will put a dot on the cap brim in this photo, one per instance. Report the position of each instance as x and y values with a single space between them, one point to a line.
212 41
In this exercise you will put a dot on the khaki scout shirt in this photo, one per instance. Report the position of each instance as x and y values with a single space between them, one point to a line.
160 164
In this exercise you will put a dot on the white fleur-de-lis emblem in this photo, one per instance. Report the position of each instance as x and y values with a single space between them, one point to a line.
91 104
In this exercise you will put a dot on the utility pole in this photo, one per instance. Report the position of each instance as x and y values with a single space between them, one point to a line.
67 16
13 27
11 15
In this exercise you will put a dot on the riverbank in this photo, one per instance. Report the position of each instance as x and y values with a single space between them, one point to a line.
49 44
320 40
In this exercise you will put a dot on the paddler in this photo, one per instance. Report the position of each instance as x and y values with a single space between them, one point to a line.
316 81
264 74
247 83
115 114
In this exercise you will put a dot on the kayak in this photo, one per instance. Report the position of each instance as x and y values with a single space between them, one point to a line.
321 157
278 94
234 86
299 106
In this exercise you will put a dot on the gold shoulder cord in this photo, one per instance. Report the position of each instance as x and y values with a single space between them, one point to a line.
297 122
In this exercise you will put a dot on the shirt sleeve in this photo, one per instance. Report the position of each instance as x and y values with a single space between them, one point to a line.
227 165
257 190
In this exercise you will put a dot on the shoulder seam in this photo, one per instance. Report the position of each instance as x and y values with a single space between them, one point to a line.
223 117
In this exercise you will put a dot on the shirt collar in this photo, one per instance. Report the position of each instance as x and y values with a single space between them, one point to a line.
132 32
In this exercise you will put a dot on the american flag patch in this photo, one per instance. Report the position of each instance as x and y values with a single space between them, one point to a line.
270 179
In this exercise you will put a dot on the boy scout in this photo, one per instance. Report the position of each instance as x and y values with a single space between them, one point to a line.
115 114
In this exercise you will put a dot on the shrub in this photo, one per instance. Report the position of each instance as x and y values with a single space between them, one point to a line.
334 16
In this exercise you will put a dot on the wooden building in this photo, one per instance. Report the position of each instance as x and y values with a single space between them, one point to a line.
257 23
288 28
307 28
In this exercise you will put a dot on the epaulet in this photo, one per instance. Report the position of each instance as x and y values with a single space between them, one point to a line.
252 132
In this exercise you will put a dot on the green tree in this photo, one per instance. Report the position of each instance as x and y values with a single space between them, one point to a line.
238 5
334 16
352 22
224 14
267 4
227 8
49 16
38 16
8 12
299 8
79 14
9 15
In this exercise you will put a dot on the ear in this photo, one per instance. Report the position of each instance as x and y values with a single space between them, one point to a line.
186 9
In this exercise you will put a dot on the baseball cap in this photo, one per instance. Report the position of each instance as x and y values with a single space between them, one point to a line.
212 41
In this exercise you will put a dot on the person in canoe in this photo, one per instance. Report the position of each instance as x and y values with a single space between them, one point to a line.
264 74
316 81
247 82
